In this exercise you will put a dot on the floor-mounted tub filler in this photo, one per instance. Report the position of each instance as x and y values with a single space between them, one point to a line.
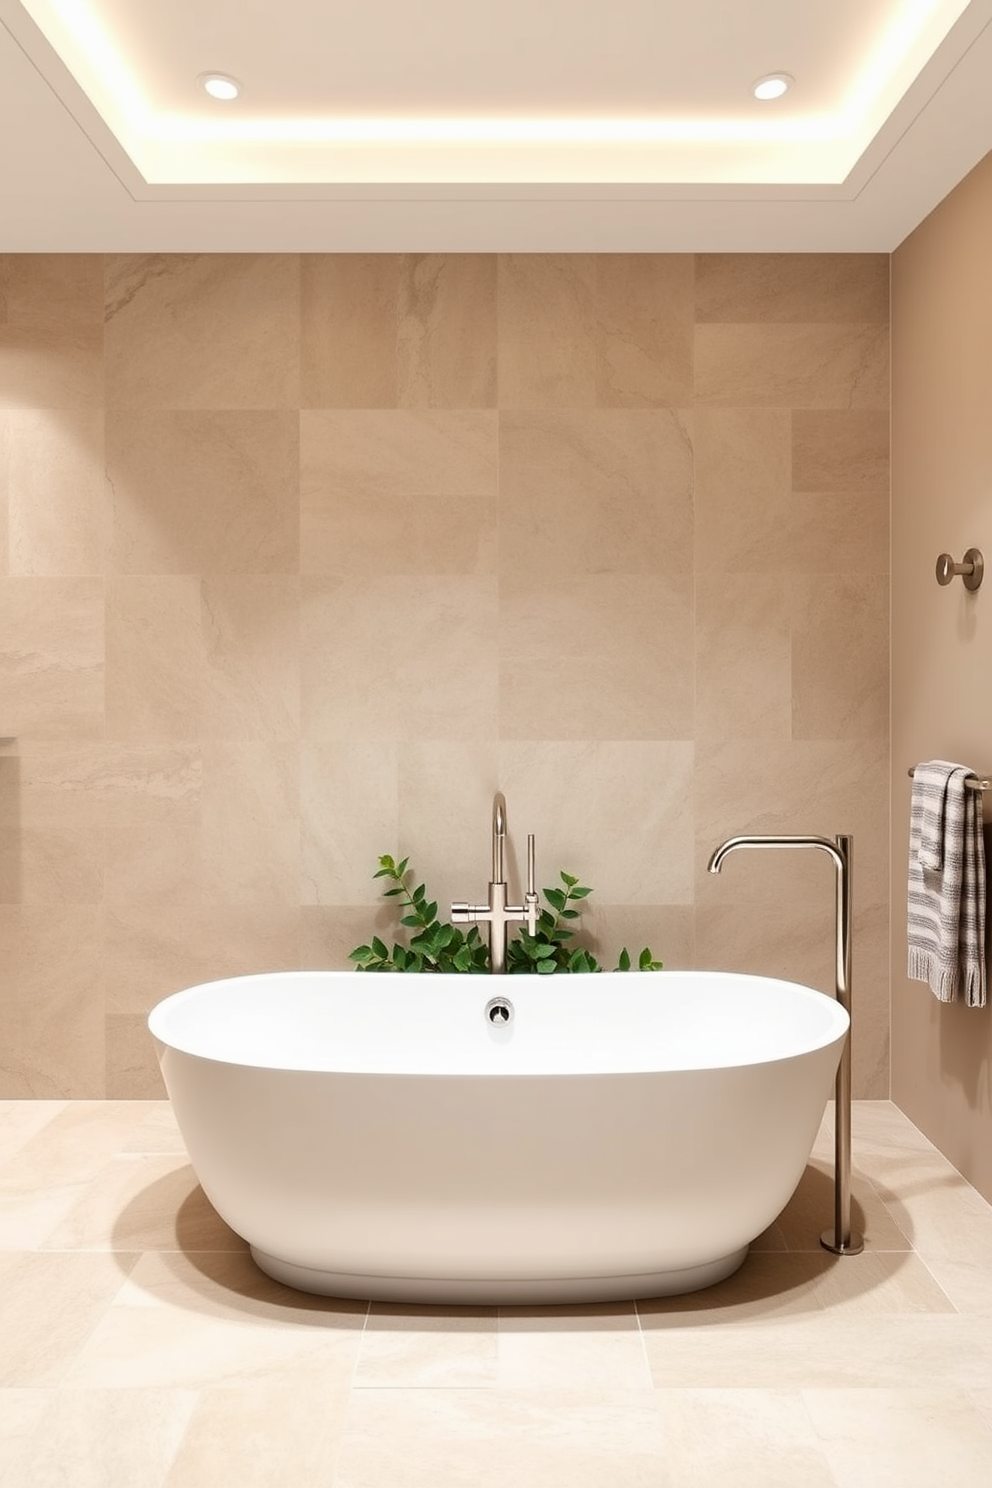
568 1139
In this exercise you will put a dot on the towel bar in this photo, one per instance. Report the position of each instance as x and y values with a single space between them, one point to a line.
983 783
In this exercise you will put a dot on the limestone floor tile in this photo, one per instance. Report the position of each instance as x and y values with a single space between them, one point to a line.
22 1120
104 1439
571 1348
191 1321
909 1438
264 1436
493 1438
52 1304
156 1130
742 1438
428 1347
881 1284
825 1352
20 1413
143 1203
938 1210
965 1279
810 1211
769 1288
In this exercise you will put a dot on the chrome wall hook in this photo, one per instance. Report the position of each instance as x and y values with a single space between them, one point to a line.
971 569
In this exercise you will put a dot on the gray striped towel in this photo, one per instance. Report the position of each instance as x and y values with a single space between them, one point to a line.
947 883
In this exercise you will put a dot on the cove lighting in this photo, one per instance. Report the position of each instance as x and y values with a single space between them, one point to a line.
772 86
220 86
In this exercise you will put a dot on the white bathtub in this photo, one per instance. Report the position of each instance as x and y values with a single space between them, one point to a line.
376 1136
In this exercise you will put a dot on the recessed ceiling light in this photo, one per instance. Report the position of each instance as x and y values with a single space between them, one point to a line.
772 86
219 85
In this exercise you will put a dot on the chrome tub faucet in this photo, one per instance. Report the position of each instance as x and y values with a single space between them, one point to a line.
497 913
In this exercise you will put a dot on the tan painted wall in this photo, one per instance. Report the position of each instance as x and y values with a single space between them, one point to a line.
942 637
303 557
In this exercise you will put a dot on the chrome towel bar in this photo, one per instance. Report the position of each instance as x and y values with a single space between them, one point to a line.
981 783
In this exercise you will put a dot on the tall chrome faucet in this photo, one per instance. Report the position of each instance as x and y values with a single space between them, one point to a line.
841 1240
497 913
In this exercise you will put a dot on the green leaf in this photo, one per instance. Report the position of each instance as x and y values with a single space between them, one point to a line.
645 959
360 953
379 948
401 867
399 957
570 914
579 892
556 897
419 894
391 893
567 878
624 962
545 967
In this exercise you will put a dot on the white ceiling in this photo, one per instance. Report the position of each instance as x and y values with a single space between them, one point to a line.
470 125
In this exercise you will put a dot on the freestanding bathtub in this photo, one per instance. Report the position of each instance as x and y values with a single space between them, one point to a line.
622 1135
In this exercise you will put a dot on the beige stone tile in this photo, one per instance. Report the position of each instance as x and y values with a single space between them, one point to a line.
51 829
421 1348
21 1120
410 658
52 657
795 942
823 1351
142 1202
340 851
20 1413
202 330
840 650
251 642
153 950
742 497
570 1439
939 1211
742 1438
743 656
596 656
841 450
398 492
51 1019
105 1438
446 330
155 665
811 365
666 930
152 823
203 491
262 1436
445 802
830 532
547 330
189 1320
632 797
769 1288
807 786
982 1400
132 1071
792 287
966 1279
251 823
54 1302
810 1210
604 491
328 933
910 1437
51 330
349 316
52 465
156 1130
571 1348
881 1284
644 329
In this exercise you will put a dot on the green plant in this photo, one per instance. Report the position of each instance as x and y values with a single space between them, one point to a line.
436 945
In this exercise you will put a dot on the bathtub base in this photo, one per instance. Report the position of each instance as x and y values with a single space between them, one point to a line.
498 1291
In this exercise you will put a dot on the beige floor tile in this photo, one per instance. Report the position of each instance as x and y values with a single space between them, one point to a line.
267 1436
824 1352
52 1304
571 1348
157 1130
428 1347
196 1321
22 1120
880 1283
139 1202
902 1438
966 1279
106 1439
20 1413
770 1286
810 1211
485 1438
742 1439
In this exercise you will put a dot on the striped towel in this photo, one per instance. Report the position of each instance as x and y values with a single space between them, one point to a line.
947 883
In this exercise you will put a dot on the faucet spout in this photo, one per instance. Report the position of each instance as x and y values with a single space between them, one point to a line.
497 913
842 1240
499 835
